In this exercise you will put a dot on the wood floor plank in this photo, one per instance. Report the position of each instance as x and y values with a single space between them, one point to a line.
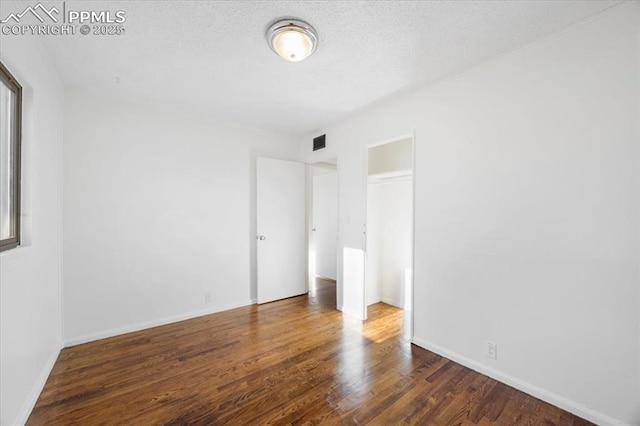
294 361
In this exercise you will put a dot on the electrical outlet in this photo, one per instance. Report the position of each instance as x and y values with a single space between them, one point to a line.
492 350
207 298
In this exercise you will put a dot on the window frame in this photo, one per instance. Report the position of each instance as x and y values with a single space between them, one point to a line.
10 81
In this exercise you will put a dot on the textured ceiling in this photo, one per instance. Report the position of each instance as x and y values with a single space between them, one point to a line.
212 57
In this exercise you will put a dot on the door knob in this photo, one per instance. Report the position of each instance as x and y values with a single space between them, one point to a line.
262 237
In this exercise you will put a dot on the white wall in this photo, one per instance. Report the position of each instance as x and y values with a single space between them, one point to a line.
527 213
159 210
325 223
30 335
389 240
391 157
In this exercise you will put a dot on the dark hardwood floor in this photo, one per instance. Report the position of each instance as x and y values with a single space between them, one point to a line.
295 361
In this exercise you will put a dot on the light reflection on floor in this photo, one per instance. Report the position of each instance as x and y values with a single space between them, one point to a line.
356 362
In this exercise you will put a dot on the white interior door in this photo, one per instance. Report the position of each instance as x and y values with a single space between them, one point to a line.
281 229
325 223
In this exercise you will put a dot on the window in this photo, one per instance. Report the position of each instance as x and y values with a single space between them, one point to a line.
10 135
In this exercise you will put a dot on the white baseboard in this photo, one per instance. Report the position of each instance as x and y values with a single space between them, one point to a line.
27 408
545 395
149 324
392 302
374 301
326 278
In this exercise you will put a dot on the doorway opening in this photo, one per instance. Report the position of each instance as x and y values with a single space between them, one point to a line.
389 227
323 227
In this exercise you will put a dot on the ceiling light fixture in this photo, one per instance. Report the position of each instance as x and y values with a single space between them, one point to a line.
292 39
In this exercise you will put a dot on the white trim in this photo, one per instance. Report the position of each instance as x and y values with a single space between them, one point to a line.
154 323
325 278
31 400
391 140
325 165
328 165
392 302
411 178
374 301
533 390
61 226
391 177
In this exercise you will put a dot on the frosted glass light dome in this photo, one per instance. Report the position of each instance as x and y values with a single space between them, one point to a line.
292 39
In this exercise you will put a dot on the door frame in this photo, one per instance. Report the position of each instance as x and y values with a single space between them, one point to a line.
365 192
309 224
